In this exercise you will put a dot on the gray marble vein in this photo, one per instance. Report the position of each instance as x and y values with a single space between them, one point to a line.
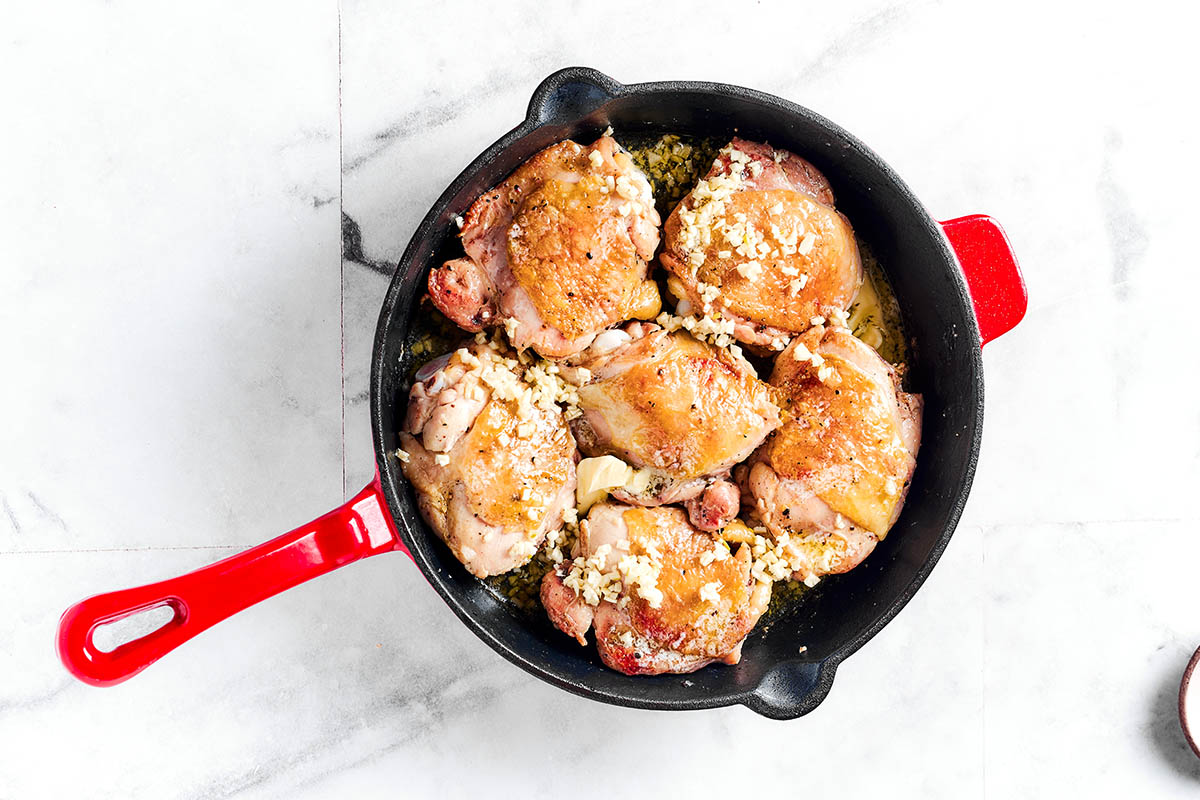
12 518
438 107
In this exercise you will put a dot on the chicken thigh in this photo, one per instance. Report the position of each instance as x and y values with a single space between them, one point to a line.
557 252
833 478
678 408
758 241
662 596
492 465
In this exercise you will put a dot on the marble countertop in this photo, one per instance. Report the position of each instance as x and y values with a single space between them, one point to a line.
184 345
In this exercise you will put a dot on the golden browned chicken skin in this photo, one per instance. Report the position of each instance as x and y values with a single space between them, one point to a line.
664 572
675 599
493 472
679 407
557 252
759 242
834 477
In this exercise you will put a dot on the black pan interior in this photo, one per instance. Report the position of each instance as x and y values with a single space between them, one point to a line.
774 678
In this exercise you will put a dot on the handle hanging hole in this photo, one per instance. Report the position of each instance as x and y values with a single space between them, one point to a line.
111 635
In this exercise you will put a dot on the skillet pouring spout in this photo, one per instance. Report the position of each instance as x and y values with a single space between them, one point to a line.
791 689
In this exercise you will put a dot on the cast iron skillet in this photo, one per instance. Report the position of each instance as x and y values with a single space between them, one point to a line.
947 320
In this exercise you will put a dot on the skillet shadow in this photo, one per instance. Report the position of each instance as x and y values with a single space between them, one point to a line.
1165 728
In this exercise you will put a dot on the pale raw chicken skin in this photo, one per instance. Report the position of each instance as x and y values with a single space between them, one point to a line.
679 407
557 252
834 477
706 610
499 493
759 242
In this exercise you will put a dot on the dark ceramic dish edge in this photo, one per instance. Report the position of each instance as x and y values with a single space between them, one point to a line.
1185 721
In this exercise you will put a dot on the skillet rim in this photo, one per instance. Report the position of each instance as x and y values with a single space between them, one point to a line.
777 694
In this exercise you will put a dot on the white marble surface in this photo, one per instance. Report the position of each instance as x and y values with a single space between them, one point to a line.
184 360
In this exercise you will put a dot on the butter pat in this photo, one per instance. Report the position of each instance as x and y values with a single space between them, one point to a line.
639 481
596 476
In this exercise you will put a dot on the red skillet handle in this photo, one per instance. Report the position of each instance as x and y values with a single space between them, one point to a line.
200 599
993 277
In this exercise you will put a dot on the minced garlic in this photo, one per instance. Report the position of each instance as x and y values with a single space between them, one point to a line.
772 559
750 270
715 330
589 580
711 592
719 553
522 550
626 189
640 573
